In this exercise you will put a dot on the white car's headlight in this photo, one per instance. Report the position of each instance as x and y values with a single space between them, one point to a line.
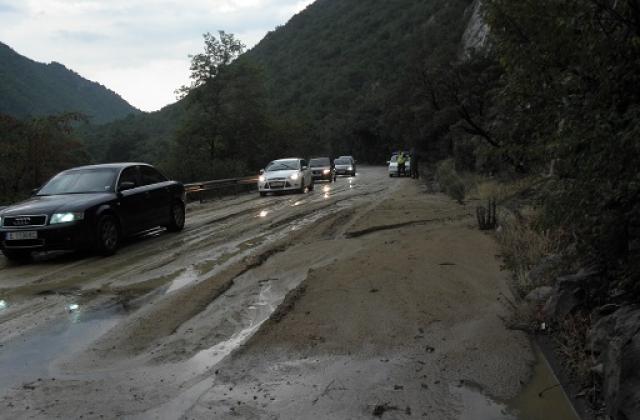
327 171
57 218
262 178
295 176
350 168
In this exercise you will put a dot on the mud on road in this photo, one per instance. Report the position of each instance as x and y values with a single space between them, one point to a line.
366 297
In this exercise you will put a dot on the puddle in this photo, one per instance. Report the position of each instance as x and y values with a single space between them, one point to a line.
541 399
185 278
25 359
478 406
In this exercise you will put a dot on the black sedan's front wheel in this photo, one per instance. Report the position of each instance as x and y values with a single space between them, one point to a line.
108 235
177 217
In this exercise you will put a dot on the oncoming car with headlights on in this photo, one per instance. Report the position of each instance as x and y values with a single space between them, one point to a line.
92 207
291 174
322 169
345 166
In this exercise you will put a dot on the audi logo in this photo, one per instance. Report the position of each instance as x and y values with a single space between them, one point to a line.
21 221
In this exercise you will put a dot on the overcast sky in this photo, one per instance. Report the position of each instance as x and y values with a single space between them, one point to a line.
138 48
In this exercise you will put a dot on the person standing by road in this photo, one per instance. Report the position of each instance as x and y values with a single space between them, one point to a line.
415 174
401 164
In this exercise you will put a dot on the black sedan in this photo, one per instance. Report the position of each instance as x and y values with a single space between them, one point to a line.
92 207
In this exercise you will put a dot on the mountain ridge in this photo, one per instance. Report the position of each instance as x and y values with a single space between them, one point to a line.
29 88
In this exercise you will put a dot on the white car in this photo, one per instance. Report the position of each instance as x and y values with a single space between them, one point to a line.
291 174
393 165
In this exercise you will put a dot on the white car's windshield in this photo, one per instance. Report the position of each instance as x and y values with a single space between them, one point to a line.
283 165
394 158
80 181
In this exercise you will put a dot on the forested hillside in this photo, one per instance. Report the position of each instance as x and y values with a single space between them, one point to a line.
349 70
32 89
340 77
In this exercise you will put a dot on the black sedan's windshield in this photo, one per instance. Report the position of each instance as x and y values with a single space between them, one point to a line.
314 163
80 181
283 165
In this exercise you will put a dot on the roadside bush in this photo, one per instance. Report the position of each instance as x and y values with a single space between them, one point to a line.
449 180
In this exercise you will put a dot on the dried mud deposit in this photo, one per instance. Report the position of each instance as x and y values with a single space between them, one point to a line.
366 298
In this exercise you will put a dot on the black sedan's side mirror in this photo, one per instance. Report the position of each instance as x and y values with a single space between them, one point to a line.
126 185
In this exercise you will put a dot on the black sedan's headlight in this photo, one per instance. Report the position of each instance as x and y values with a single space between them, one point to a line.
67 217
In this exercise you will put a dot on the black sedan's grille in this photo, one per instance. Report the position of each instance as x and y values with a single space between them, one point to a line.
24 221
28 243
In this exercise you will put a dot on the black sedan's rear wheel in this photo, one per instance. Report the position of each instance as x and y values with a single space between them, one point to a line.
108 235
17 255
177 217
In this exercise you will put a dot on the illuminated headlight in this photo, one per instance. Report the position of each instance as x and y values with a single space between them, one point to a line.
58 218
327 171
262 178
350 168
295 176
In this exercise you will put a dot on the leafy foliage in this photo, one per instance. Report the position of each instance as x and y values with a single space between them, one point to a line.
32 151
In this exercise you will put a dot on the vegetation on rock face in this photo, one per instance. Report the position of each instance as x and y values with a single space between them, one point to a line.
30 89
569 93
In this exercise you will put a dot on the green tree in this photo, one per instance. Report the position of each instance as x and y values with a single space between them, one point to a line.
227 127
33 150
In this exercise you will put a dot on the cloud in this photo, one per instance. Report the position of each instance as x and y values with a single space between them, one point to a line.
138 48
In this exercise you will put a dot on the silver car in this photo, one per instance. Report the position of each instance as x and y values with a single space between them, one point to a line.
345 166
291 174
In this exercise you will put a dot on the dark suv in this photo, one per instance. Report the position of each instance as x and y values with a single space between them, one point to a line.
92 206
322 169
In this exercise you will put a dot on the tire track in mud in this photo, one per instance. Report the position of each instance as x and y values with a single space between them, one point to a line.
162 317
138 278
392 226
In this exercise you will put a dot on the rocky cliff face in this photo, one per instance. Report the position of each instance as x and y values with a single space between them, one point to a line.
476 36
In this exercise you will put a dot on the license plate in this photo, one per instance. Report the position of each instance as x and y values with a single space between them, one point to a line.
277 184
21 236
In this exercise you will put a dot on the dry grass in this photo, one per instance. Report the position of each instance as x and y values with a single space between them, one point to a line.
571 340
484 188
522 247
450 182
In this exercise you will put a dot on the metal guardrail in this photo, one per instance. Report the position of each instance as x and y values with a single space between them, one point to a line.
202 191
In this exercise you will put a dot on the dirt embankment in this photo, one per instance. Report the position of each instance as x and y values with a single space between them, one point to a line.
415 313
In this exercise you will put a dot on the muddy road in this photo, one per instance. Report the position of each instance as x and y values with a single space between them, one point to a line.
366 297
